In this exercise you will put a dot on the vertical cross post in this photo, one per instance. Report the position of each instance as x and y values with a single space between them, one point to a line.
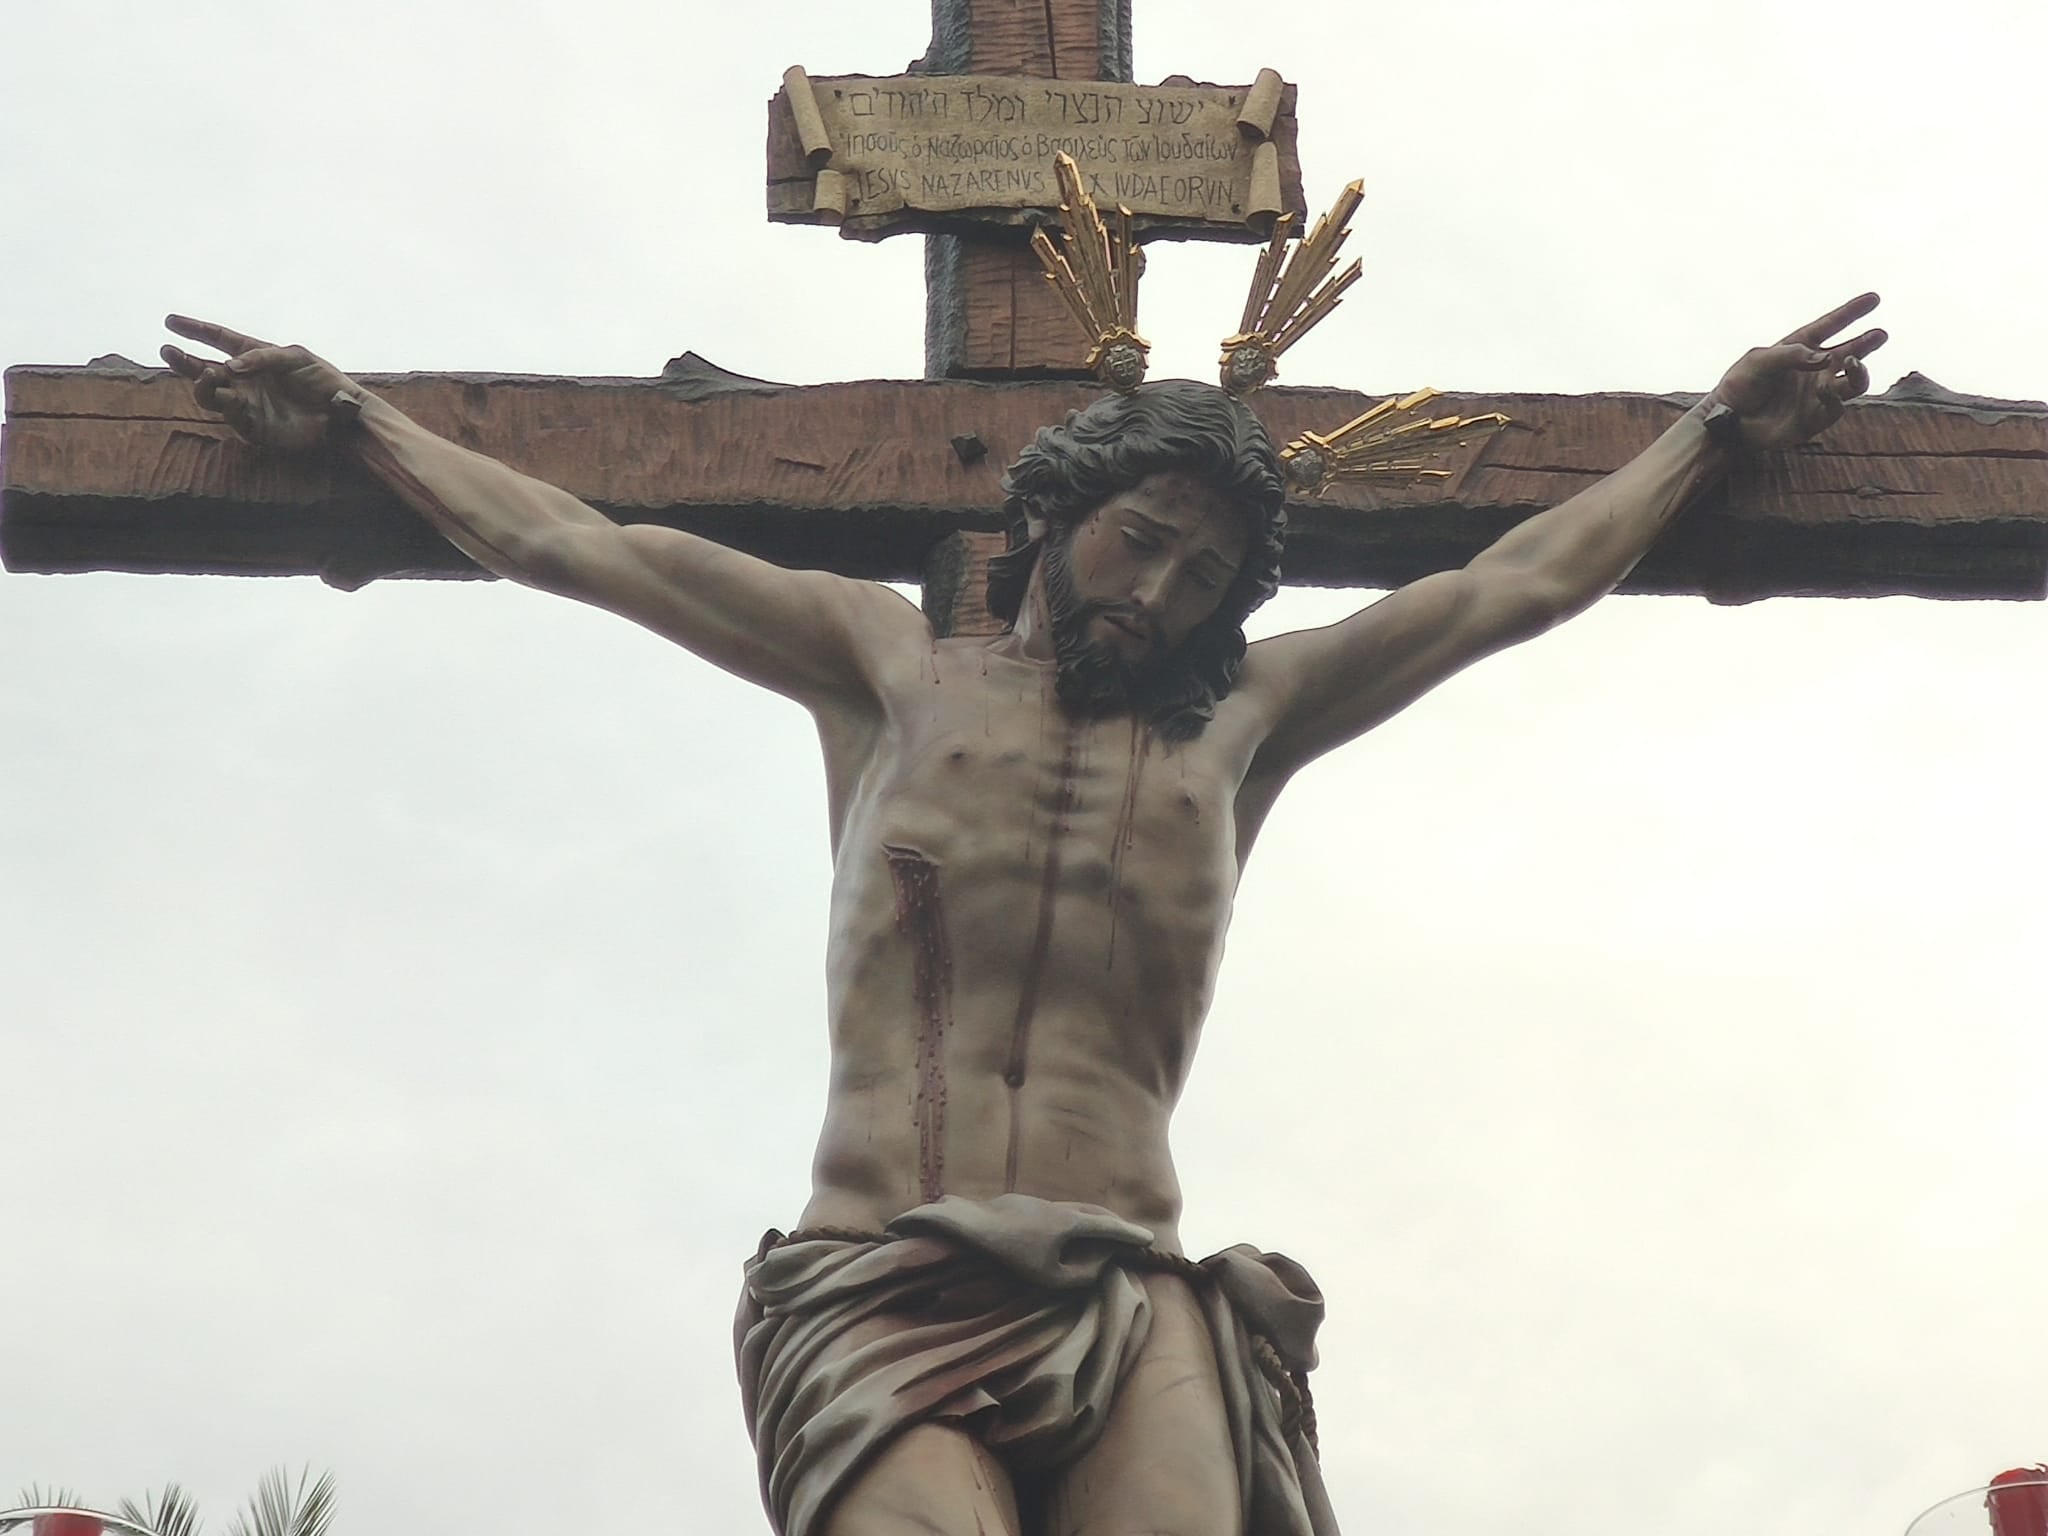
989 313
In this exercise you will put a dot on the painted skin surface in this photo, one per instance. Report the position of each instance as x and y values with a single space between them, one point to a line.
1046 896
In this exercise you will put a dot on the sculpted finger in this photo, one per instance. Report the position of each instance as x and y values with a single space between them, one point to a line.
260 358
1818 331
207 387
212 334
1853 380
1865 344
181 362
1790 354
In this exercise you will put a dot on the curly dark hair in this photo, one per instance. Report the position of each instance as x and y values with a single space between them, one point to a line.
1175 425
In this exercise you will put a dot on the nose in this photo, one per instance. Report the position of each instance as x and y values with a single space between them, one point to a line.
1149 589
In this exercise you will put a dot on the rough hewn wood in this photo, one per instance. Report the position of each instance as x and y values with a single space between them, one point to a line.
983 319
1048 39
956 584
1004 320
111 469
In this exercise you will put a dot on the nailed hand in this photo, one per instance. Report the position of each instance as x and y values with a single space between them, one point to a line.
1790 392
276 397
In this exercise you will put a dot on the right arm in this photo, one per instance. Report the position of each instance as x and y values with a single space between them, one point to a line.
814 637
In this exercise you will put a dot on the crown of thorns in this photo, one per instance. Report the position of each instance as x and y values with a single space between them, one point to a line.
1095 268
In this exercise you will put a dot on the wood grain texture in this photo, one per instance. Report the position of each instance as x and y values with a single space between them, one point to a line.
1012 322
119 470
956 584
981 321
1015 37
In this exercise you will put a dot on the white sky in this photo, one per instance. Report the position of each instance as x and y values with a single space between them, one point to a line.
412 1004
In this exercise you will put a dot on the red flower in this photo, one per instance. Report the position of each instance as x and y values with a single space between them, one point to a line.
2019 1511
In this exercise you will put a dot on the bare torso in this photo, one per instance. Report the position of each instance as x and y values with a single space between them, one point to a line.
1028 912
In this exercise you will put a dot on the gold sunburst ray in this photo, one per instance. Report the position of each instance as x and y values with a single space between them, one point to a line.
1291 293
1396 440
1095 269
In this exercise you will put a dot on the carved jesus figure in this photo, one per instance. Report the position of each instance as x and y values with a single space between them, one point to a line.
982 1322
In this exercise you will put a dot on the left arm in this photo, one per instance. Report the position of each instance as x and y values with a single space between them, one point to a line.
1320 688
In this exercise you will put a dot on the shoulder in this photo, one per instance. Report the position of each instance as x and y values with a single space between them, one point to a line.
1313 689
1424 609
917 671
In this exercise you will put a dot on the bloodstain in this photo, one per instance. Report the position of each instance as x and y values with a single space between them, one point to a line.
1041 945
921 917
1126 819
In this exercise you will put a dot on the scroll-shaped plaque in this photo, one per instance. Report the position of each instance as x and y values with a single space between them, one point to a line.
810 123
1261 106
942 152
1264 201
828 202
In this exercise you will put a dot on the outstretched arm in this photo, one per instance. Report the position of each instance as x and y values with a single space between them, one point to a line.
810 635
1320 688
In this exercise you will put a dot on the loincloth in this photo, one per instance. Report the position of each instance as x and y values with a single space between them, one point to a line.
1016 1319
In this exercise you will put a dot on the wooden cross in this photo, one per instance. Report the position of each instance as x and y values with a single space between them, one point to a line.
114 467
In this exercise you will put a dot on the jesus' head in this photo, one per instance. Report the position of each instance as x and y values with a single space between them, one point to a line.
1153 523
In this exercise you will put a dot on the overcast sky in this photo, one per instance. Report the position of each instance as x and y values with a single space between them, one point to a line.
412 999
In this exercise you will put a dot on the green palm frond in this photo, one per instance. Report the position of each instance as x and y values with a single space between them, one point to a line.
279 1509
170 1513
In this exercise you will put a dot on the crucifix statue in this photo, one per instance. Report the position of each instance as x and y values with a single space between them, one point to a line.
1043 786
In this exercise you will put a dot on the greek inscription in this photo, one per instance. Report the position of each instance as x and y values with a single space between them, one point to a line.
959 146
1093 147
1188 146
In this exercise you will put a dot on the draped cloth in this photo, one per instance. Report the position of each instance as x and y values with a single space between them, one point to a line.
1015 1319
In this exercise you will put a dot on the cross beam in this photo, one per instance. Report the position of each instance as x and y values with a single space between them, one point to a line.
114 468
1917 492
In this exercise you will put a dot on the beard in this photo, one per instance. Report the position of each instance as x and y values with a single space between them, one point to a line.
1091 679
